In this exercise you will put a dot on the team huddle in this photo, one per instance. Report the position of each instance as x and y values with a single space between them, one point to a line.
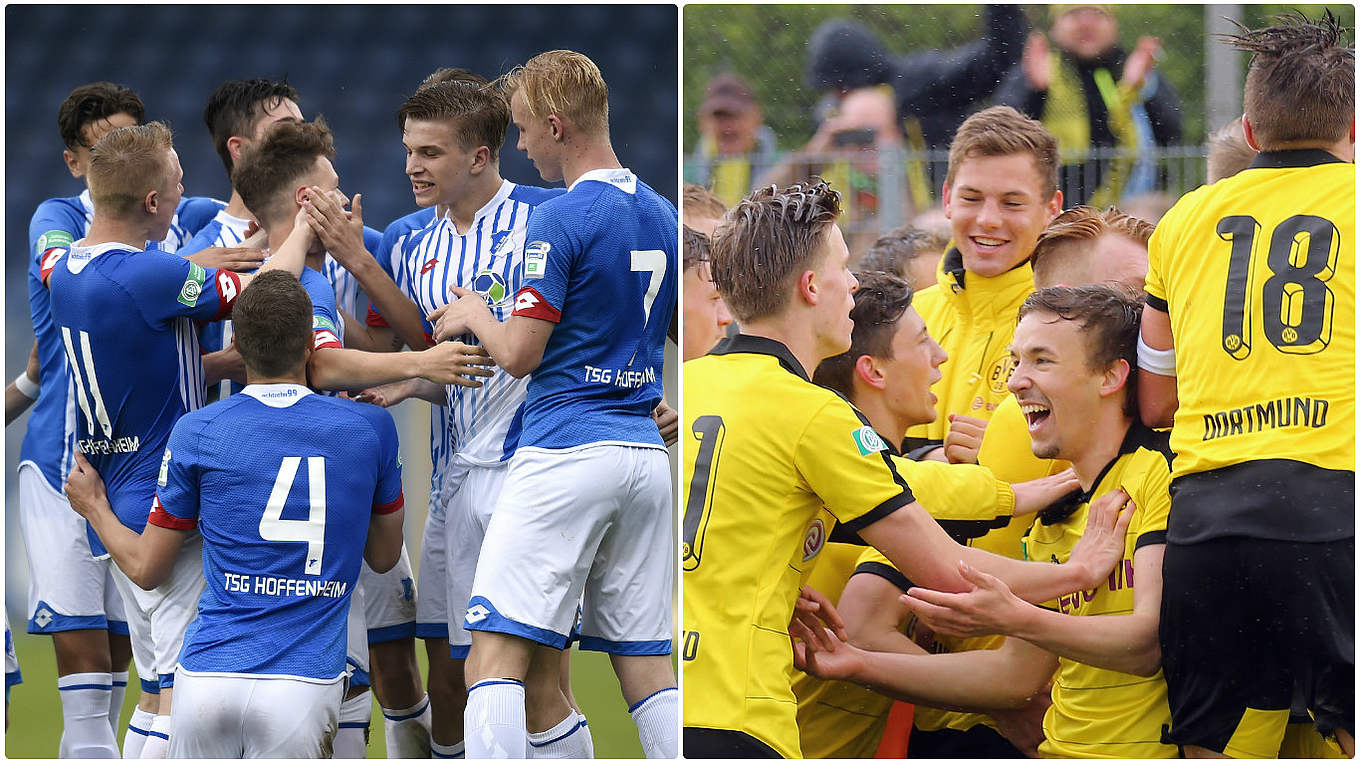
203 491
1089 494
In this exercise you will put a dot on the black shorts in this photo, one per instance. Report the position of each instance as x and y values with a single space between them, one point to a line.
1246 624
716 742
978 741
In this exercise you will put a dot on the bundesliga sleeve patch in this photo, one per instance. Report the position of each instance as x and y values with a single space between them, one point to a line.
164 476
531 303
51 246
536 259
193 285
868 442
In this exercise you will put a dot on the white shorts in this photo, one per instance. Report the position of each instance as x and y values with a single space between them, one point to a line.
158 618
598 519
68 589
356 640
469 513
432 598
231 715
389 600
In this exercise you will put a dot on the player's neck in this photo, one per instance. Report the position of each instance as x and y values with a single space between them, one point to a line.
463 211
237 207
798 339
132 233
1107 435
889 425
297 377
589 156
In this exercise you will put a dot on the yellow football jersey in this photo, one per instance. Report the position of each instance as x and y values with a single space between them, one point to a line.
766 450
973 320
1257 274
1098 712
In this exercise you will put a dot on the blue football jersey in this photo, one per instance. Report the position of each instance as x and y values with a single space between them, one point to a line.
601 263
282 483
224 231
124 318
349 297
56 224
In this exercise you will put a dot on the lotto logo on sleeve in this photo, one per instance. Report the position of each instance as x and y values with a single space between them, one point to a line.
193 285
868 441
536 259
226 285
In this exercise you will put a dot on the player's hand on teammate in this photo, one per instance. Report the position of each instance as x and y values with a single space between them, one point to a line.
341 231
964 438
1034 495
987 608
815 617
455 363
668 422
85 489
455 318
246 259
827 657
389 394
1102 543
1024 726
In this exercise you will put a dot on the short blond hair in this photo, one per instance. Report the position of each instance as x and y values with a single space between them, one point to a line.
1229 152
565 83
1081 224
126 164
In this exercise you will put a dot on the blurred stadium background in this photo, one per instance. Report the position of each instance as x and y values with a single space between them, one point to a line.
355 64
767 45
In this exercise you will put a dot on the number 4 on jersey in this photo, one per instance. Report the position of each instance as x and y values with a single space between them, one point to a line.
312 530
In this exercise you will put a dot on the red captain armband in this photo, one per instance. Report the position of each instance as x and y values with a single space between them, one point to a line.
325 339
228 288
531 303
374 319
391 506
49 260
162 519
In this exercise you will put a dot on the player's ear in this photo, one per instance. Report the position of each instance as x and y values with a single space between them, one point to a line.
556 125
234 147
1116 377
481 159
300 194
72 163
151 202
807 287
866 369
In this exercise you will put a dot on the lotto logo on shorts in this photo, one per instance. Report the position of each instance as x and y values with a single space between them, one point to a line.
476 614
868 441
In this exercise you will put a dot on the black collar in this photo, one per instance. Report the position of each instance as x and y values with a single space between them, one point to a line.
1137 437
751 344
1292 159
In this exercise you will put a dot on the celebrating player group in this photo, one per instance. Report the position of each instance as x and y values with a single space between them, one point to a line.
204 490
1121 525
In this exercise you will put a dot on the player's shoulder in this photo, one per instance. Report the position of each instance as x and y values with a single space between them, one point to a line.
317 285
65 215
534 196
1153 446
409 223
367 418
196 211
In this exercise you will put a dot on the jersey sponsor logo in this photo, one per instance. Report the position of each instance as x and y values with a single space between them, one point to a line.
193 285
226 285
476 614
814 540
491 286
429 265
164 476
536 259
868 441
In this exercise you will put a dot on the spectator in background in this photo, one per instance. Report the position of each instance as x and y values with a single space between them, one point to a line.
1229 152
1090 94
735 145
933 90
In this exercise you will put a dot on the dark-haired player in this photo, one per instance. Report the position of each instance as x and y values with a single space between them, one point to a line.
1249 346
291 492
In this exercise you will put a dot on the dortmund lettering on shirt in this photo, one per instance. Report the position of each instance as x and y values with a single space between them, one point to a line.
282 483
1098 712
125 319
766 451
1263 320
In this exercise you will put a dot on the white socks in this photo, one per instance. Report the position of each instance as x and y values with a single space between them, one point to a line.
158 739
493 722
138 729
407 731
120 681
351 741
446 750
658 720
568 739
85 716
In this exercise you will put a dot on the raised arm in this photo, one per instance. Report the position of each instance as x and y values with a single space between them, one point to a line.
1157 396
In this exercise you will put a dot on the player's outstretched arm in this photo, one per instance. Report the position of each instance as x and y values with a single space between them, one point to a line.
1127 643
1157 397
146 559
383 547
342 232
292 255
516 344
987 679
391 394
920 548
446 364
